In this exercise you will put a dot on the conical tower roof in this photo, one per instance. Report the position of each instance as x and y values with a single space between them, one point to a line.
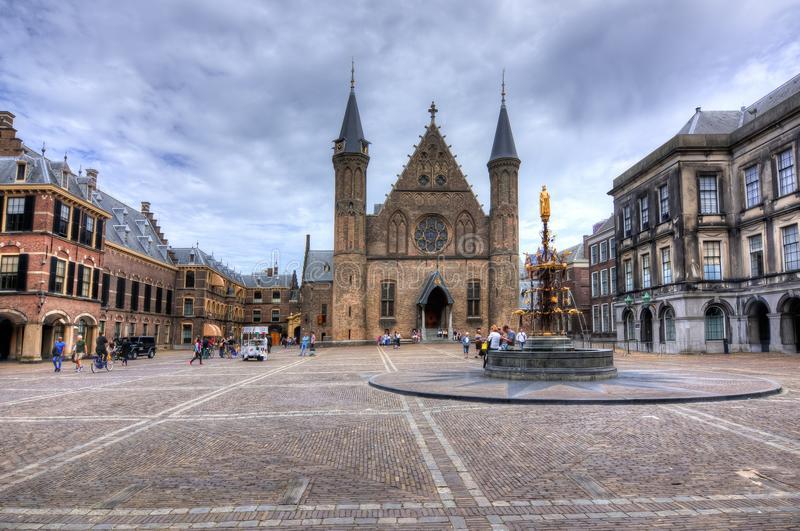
503 146
352 134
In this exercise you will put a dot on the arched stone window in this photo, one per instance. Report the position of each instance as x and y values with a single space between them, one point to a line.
465 235
715 324
397 234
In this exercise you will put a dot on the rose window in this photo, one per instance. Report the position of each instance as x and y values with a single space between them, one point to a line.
431 234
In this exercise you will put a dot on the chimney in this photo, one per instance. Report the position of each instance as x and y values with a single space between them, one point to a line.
91 181
10 145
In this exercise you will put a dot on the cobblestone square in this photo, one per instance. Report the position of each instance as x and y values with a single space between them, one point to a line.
306 442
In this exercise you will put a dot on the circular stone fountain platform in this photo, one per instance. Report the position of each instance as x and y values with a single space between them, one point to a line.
644 385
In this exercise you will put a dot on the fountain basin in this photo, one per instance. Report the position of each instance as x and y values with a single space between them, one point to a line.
551 358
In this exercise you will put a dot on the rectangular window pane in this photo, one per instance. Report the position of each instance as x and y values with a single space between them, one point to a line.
786 178
188 307
756 255
605 319
663 202
595 318
603 251
626 221
644 213
186 334
85 282
752 187
708 195
387 299
593 254
613 277
791 252
666 266
595 284
645 271
604 282
15 213
473 299
9 266
712 261
628 275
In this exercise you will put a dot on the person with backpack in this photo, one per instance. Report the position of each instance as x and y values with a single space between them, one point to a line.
465 343
304 346
58 353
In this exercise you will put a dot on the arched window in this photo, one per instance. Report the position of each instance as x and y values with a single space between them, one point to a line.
630 326
715 324
668 321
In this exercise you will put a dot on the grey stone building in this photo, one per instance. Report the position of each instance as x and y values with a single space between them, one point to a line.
708 256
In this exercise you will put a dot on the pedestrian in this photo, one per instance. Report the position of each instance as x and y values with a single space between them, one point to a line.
78 351
478 342
58 353
493 342
521 338
206 353
222 349
125 350
396 340
304 346
269 343
198 352
465 343
313 344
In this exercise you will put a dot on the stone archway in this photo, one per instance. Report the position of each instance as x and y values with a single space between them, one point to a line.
54 325
789 309
646 329
629 325
12 330
758 334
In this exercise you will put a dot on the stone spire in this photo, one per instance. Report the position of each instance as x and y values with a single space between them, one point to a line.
351 138
503 146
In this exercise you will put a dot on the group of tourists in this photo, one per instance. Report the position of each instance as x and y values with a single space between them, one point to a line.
498 339
77 352
203 347
394 338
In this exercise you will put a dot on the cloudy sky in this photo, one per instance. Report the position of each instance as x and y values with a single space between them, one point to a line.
221 114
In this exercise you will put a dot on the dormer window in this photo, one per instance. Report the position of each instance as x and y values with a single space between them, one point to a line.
21 167
365 148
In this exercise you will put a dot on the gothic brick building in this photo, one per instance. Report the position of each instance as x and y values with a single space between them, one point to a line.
429 257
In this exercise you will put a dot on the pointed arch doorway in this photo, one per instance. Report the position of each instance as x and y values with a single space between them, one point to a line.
435 307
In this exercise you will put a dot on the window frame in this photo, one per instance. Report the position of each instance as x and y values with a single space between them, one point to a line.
666 265
190 300
755 200
627 221
256 315
646 271
612 280
473 299
756 253
604 284
595 284
708 244
663 203
627 268
644 213
711 334
8 278
189 274
708 177
594 254
604 255
388 294
275 316
792 173
796 248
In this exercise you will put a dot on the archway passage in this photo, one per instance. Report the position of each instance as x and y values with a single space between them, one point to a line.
758 326
790 323
629 326
435 310
12 329
53 327
647 329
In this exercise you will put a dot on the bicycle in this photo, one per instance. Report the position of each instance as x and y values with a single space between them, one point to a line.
101 362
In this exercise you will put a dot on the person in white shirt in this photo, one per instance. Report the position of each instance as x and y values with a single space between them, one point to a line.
521 338
494 342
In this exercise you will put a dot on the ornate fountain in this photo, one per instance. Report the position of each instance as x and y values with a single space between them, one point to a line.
549 353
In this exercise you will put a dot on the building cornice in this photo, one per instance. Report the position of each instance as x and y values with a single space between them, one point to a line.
139 255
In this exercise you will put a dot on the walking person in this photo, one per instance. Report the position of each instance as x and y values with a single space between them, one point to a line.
478 342
521 338
303 346
125 350
269 343
198 352
58 353
465 343
396 340
78 351
313 344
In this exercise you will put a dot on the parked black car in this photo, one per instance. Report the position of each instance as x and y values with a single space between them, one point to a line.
140 346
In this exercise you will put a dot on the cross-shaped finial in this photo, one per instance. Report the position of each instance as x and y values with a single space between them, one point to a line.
433 110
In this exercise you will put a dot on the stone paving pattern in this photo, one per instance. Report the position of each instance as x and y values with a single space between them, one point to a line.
302 443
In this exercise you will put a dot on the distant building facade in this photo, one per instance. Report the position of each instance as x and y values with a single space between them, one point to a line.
600 248
707 226
76 260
